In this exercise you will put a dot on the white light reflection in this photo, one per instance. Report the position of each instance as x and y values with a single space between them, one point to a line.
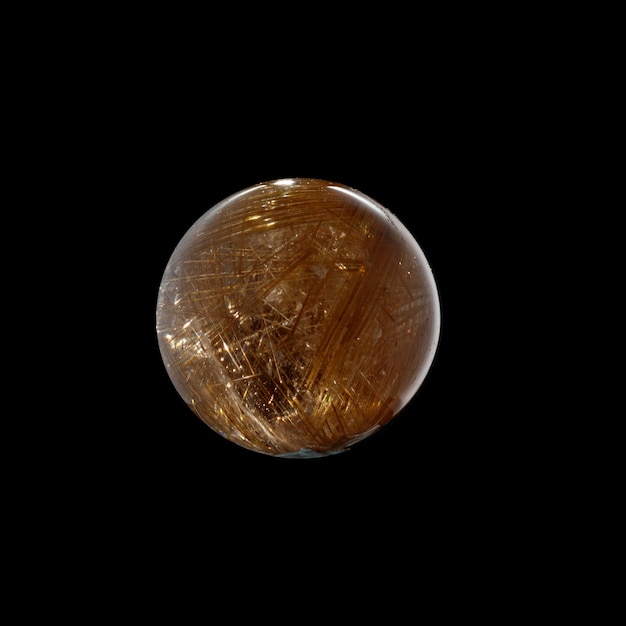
361 198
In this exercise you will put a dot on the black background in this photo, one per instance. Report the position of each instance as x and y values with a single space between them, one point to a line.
128 131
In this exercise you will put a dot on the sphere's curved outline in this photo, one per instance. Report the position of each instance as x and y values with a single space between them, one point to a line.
359 199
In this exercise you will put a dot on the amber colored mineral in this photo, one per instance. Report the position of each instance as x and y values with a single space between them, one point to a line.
297 317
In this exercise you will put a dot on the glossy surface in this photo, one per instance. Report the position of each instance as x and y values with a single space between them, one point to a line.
297 317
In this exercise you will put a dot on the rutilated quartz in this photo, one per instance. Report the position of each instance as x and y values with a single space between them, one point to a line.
297 317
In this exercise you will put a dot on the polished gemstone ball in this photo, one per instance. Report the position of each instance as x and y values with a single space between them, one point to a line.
297 317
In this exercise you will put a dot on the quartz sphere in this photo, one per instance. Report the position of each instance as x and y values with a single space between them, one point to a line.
297 317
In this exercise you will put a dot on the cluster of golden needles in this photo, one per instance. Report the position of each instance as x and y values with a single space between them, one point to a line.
297 317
